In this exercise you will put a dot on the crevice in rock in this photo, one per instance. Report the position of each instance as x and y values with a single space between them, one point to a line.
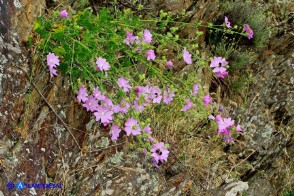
50 4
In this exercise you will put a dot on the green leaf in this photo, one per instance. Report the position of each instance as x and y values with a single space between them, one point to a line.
59 51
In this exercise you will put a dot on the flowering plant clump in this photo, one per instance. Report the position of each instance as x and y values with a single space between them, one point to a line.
120 52
225 126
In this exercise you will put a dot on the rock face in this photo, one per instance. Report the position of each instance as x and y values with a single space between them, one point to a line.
47 137
25 13
11 56
270 118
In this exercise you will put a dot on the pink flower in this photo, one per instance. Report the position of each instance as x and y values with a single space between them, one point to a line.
82 94
155 163
228 24
155 94
169 63
229 122
226 123
53 72
63 13
218 118
222 74
138 89
103 114
250 34
132 127
248 31
147 36
224 131
143 90
239 128
187 57
188 105
218 64
130 39
150 55
211 117
107 103
91 104
115 131
147 129
168 96
224 127
102 64
207 99
98 94
151 139
124 83
195 89
52 60
116 109
159 152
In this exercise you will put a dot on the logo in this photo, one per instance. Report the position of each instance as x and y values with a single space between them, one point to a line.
20 186
10 185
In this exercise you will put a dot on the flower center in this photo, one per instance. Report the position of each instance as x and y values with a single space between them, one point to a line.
158 152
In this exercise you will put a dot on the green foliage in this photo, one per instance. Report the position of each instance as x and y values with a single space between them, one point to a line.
252 13
289 193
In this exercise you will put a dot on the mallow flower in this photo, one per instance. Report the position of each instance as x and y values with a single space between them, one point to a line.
82 94
63 13
188 105
150 55
228 24
124 84
207 99
195 89
114 131
218 64
248 31
91 104
104 114
159 152
132 127
155 94
187 57
102 64
238 128
147 36
169 63
52 62
131 39
168 96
